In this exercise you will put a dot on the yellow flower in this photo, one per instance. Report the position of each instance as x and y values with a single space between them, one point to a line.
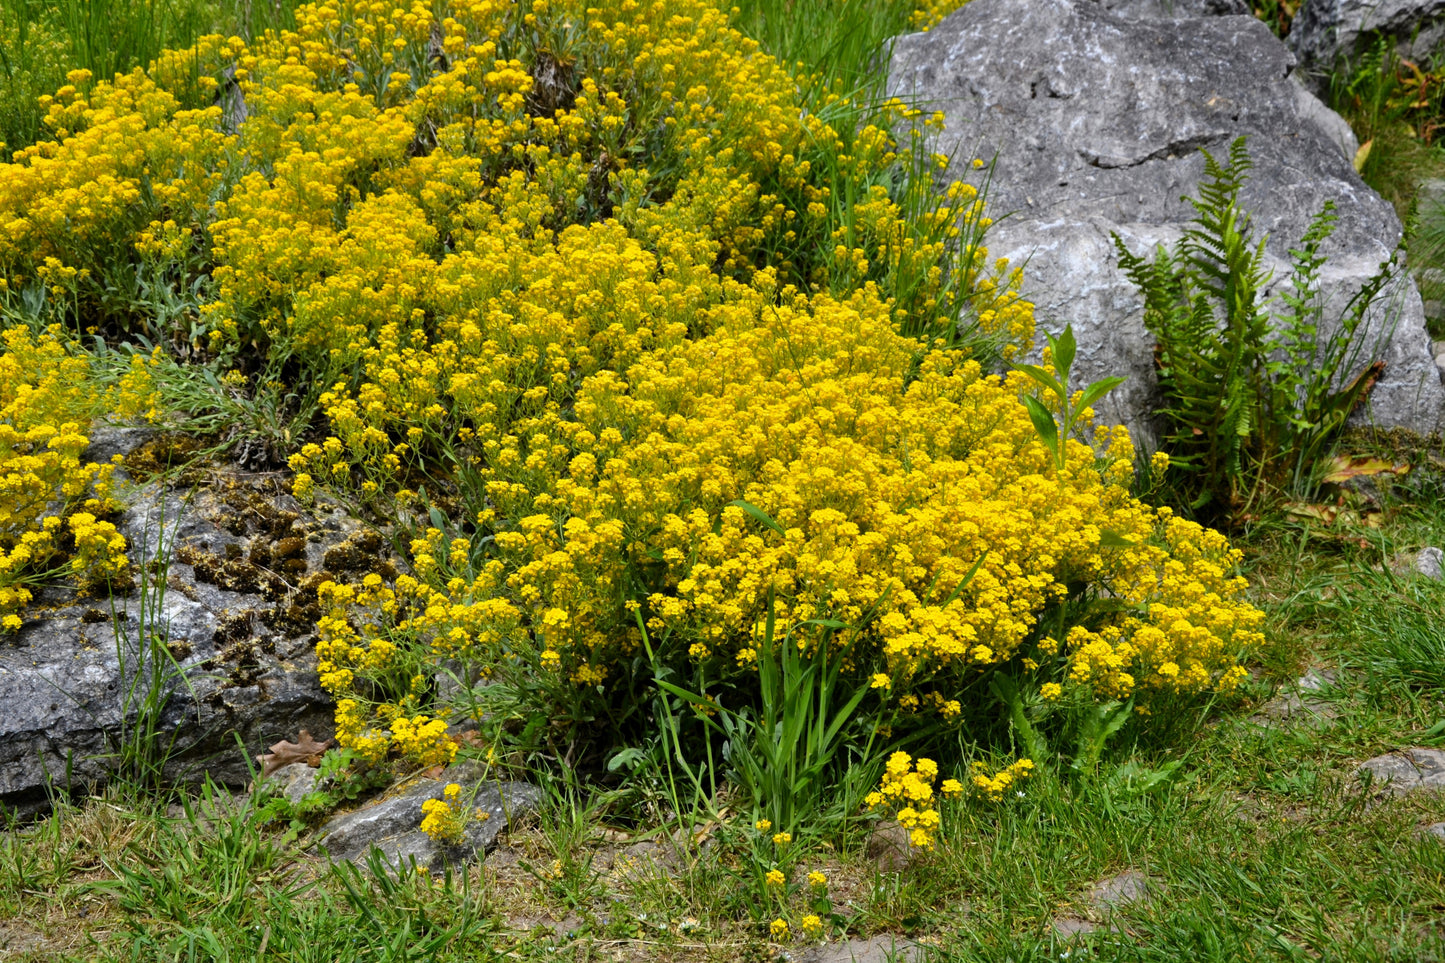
775 877
779 929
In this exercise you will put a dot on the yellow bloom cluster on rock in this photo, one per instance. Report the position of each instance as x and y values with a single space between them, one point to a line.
591 271
445 819
906 795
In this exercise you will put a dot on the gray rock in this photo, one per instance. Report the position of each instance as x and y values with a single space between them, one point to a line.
295 781
1097 122
1101 901
1430 196
889 846
393 824
1330 33
1072 927
1313 112
108 439
1129 887
1174 9
877 949
1429 562
1411 770
1434 829
1299 701
237 616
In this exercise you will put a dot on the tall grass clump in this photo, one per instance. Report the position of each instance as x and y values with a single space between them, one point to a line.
1396 108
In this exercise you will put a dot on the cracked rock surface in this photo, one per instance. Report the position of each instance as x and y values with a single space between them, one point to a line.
1097 117
237 615
1407 771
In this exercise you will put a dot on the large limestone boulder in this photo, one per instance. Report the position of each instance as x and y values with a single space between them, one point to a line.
1096 121
1173 9
1328 34
237 615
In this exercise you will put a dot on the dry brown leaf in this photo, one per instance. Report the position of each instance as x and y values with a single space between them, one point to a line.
1345 467
304 749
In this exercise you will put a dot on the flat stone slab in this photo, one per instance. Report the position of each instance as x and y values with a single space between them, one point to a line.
1129 887
877 949
1103 899
1407 771
393 824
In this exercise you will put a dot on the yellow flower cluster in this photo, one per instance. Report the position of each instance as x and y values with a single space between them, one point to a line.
1188 621
927 14
992 787
591 266
51 499
907 795
445 819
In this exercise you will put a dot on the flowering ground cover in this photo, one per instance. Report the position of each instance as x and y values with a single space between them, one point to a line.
685 392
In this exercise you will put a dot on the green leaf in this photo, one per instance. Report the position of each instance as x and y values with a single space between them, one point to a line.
760 515
1099 389
1063 351
1043 420
1043 378
1112 539
1006 691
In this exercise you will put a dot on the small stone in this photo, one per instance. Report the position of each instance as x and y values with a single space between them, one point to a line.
877 949
1292 703
1129 887
1430 196
1072 927
1435 829
889 847
294 781
1411 770
1430 561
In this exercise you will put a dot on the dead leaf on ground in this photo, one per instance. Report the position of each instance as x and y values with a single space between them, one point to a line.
1345 467
1334 516
304 749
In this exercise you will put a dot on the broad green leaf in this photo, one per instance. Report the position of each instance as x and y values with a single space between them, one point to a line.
1043 420
1043 378
1099 389
1063 351
759 514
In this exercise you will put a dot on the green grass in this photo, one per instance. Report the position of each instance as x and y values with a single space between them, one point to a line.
840 39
